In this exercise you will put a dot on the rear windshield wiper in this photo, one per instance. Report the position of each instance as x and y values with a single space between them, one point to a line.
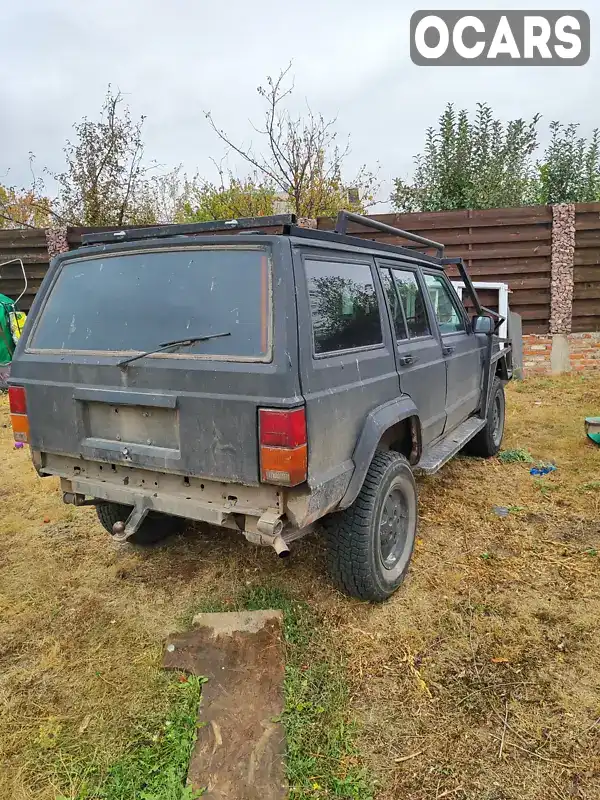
175 343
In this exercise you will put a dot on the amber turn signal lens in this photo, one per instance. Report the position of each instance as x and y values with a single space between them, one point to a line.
20 426
283 466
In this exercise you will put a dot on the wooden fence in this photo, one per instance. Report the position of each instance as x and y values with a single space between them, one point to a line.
30 246
511 245
508 245
586 291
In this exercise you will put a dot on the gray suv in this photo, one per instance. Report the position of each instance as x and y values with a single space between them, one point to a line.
259 376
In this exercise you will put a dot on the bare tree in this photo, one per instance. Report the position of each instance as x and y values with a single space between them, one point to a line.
302 157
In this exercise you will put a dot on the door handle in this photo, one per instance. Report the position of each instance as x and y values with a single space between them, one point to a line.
447 349
406 361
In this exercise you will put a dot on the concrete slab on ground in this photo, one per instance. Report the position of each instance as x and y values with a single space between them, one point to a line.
239 751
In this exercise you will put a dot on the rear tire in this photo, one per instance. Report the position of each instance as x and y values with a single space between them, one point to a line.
154 528
371 542
488 441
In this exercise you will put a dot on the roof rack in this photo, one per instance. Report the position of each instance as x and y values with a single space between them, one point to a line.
286 222
344 217
162 231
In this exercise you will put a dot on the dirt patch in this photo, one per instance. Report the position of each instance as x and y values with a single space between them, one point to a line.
239 751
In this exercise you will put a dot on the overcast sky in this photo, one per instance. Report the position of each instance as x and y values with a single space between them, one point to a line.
174 60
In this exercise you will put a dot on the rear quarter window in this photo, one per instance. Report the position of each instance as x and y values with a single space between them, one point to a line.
343 304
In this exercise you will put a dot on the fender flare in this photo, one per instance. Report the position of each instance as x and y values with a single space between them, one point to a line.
378 421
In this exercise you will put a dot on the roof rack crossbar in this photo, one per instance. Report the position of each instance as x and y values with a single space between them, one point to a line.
160 231
344 217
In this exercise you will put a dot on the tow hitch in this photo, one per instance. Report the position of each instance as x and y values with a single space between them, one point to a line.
124 530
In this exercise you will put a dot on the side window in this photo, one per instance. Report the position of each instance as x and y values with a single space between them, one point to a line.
343 304
444 304
413 303
394 301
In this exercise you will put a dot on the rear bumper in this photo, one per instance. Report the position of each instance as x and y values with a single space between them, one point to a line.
230 505
226 504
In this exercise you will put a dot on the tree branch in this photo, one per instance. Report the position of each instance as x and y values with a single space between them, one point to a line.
19 223
114 101
275 98
132 171
244 154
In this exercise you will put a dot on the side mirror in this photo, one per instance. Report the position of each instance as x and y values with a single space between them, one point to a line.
483 324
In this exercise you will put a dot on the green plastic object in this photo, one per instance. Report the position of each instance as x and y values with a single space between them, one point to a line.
7 346
592 429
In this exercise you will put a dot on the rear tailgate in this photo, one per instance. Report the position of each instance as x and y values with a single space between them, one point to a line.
192 411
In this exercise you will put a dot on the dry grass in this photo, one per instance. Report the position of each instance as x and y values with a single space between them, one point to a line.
488 662
479 680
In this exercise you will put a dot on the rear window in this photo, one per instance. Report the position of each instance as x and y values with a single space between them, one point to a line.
137 301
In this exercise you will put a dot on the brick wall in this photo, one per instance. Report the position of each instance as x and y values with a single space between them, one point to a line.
584 352
536 354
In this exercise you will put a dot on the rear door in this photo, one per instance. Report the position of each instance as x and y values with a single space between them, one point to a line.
421 365
192 411
461 349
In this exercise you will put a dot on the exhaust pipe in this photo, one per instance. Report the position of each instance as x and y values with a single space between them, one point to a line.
269 530
280 546
270 523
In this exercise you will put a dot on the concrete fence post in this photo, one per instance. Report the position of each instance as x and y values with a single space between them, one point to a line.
561 284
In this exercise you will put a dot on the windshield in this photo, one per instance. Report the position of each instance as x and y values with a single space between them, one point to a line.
133 302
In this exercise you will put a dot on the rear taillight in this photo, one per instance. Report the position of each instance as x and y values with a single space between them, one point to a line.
17 402
281 428
283 449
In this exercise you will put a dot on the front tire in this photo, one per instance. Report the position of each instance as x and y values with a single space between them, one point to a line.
371 542
154 527
488 441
